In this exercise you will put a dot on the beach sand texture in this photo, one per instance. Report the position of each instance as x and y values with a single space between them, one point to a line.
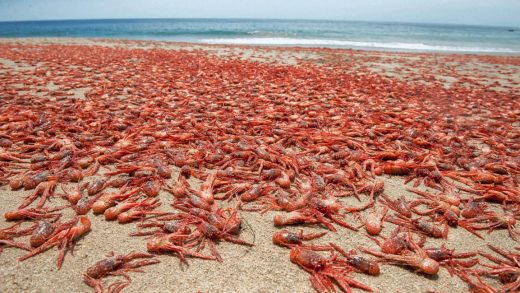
264 267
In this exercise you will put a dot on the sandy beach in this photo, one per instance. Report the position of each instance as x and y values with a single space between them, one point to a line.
263 267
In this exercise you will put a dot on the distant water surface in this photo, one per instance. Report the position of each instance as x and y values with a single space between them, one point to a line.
344 34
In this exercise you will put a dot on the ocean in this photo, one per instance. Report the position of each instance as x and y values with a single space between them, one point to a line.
307 33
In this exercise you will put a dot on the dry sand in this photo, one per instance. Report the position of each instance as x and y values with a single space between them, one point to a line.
262 268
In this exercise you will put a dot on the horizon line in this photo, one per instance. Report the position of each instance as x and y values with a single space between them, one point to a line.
260 19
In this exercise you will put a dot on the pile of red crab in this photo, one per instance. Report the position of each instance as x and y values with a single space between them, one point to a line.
296 139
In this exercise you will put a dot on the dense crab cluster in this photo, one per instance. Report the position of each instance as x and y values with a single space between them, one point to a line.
296 139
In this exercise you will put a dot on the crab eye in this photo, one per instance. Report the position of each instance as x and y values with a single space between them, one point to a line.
293 238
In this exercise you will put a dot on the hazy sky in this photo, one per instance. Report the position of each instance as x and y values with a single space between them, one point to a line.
485 12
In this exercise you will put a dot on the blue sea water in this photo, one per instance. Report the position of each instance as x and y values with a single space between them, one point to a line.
309 33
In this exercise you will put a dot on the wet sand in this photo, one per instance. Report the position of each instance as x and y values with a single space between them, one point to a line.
263 267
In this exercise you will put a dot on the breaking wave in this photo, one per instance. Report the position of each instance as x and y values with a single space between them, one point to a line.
352 44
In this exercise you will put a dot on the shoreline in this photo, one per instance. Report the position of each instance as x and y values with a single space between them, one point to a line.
269 46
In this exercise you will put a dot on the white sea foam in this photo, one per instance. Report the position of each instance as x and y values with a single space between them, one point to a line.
353 44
